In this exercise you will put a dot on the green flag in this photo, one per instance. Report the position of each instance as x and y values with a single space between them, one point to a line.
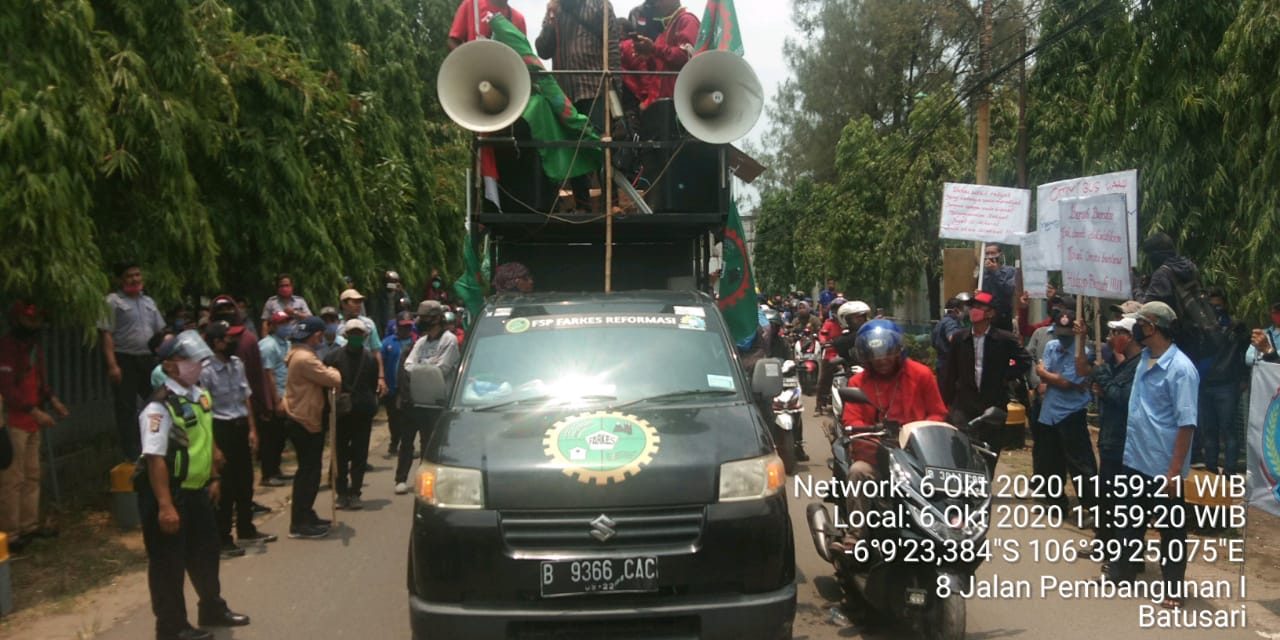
719 28
737 290
470 288
550 114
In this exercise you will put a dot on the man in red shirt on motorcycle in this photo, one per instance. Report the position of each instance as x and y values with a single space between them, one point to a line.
898 389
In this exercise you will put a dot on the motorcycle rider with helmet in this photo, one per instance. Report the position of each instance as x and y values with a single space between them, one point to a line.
900 390
829 332
851 316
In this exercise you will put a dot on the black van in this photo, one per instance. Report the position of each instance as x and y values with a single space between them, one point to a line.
599 471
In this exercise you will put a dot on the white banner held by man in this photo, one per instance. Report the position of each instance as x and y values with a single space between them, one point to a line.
1095 255
1035 278
983 213
1048 196
1264 438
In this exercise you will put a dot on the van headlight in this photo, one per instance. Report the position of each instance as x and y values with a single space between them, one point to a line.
450 487
750 479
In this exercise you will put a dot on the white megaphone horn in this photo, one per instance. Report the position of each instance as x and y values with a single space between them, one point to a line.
484 86
718 97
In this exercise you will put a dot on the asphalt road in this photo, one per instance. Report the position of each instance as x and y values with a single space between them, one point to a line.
352 584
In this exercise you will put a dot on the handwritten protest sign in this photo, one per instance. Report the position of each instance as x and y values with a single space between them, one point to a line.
984 214
1035 278
1048 196
1095 246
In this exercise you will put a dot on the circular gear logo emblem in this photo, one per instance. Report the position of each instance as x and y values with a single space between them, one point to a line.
517 325
601 447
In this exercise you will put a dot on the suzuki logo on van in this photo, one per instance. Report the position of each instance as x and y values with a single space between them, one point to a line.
602 528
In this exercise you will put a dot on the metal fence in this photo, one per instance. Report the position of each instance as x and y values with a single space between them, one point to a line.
80 450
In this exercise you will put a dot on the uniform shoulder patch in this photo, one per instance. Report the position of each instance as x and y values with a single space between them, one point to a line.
153 421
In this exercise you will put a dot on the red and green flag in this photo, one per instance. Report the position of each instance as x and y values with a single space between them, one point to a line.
471 287
550 114
737 288
719 30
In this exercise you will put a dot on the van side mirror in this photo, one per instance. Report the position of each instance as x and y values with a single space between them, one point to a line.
426 385
853 395
766 379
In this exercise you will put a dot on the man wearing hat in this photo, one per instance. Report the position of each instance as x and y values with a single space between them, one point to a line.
982 361
29 406
332 327
304 403
1163 415
274 347
1113 383
352 304
435 347
1062 445
360 372
235 432
177 483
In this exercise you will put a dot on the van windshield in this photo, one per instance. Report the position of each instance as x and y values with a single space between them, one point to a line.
598 357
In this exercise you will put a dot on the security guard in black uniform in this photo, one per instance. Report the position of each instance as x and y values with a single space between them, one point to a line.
176 477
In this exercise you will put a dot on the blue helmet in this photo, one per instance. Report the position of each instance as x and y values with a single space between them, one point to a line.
879 339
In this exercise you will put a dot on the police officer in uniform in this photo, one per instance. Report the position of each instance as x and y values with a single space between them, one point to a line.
177 481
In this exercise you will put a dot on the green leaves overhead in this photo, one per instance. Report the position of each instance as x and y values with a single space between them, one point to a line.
1188 93
217 143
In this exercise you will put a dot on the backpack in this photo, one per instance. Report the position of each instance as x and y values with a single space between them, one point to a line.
1197 331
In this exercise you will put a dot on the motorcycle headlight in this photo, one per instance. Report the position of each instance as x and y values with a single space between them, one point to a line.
450 487
752 478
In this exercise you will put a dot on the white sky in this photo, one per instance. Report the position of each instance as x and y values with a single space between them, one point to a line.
765 24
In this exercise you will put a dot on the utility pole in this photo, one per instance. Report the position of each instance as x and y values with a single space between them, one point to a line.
984 115
1022 113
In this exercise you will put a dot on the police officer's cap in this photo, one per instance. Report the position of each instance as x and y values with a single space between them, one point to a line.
187 345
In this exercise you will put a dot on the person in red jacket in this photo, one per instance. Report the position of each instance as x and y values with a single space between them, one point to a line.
670 50
899 389
26 392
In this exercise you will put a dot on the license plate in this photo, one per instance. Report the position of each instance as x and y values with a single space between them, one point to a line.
601 575
957 483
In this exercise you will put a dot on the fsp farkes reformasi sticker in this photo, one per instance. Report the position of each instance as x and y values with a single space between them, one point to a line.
583 321
601 447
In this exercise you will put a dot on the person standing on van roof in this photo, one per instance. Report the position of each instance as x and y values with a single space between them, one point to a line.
512 277
438 348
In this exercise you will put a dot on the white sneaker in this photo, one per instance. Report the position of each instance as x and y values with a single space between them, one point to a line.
401 489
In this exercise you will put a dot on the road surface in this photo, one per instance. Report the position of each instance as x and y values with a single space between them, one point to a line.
352 584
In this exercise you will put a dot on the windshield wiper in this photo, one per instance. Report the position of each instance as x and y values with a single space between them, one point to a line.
679 395
539 398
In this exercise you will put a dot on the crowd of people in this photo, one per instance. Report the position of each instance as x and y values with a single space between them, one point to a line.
1166 383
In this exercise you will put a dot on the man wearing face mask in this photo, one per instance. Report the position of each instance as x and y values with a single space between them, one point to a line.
273 428
1157 449
284 301
435 347
1112 384
352 304
436 289
177 485
235 432
1000 281
304 403
1062 445
392 349
332 327
982 362
360 372
29 407
132 318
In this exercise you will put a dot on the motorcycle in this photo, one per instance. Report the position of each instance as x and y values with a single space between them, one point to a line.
938 487
804 349
840 380
787 412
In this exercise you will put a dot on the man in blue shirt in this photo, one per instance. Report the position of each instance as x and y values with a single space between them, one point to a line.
944 332
1062 445
272 431
392 350
1265 344
1157 448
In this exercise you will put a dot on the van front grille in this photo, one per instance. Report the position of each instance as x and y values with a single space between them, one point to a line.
602 529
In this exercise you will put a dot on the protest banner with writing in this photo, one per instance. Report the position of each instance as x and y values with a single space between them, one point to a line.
1095 255
1035 278
1263 456
984 214
1048 196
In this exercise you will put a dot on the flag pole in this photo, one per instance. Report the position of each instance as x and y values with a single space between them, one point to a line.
607 183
